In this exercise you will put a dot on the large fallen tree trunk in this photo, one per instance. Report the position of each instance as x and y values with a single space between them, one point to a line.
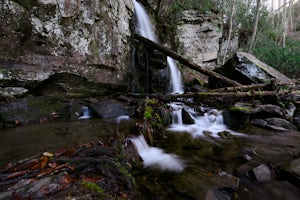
186 62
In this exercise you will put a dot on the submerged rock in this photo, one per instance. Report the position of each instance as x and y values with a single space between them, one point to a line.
295 166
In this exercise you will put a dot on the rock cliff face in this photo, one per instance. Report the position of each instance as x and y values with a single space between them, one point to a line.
77 48
199 37
40 39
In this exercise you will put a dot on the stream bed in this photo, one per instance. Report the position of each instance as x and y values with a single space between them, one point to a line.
215 168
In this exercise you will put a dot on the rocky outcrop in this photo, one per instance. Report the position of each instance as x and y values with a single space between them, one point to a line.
40 38
198 36
247 69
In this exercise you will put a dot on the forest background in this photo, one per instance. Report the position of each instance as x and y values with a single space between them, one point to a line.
269 29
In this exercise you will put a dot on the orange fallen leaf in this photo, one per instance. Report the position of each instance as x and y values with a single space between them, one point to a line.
43 162
209 174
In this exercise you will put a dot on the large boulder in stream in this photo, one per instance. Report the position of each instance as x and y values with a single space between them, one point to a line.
247 69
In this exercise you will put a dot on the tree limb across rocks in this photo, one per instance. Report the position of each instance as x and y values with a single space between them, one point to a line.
186 62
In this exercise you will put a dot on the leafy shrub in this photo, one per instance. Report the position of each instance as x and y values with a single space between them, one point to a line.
286 60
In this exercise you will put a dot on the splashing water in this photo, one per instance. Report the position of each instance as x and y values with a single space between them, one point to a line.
86 113
156 157
210 124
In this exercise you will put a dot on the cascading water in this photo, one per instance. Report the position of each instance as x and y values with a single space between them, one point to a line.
152 156
144 28
209 124
176 79
86 113
155 157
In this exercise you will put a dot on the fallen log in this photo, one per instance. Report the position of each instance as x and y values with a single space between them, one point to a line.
213 94
186 62
242 88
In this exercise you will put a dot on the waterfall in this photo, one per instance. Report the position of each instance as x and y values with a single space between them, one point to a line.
145 29
144 26
176 79
152 156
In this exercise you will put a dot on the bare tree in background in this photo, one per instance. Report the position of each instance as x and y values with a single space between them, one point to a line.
284 24
252 42
230 30
291 20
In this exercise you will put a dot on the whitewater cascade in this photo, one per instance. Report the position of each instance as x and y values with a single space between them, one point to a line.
208 125
156 157
86 113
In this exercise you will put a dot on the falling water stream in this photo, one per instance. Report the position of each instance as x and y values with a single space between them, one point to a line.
211 122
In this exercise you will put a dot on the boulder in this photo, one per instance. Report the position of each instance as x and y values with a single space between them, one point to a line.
277 124
247 69
262 173
295 166
109 109
34 110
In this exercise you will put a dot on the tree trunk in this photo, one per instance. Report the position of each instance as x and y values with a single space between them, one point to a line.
252 42
291 21
230 31
284 24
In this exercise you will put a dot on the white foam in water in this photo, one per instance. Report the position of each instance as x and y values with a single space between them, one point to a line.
86 113
211 122
156 157
121 118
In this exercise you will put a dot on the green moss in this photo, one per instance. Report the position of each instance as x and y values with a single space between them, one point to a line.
45 106
122 169
244 109
148 113
92 186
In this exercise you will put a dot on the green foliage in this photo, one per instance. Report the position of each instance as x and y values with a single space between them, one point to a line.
178 6
148 113
286 60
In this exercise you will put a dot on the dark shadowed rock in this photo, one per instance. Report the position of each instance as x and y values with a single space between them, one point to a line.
246 69
277 124
109 109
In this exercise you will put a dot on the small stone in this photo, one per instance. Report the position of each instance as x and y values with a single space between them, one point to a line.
262 173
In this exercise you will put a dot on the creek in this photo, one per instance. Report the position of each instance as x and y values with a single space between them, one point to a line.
200 160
